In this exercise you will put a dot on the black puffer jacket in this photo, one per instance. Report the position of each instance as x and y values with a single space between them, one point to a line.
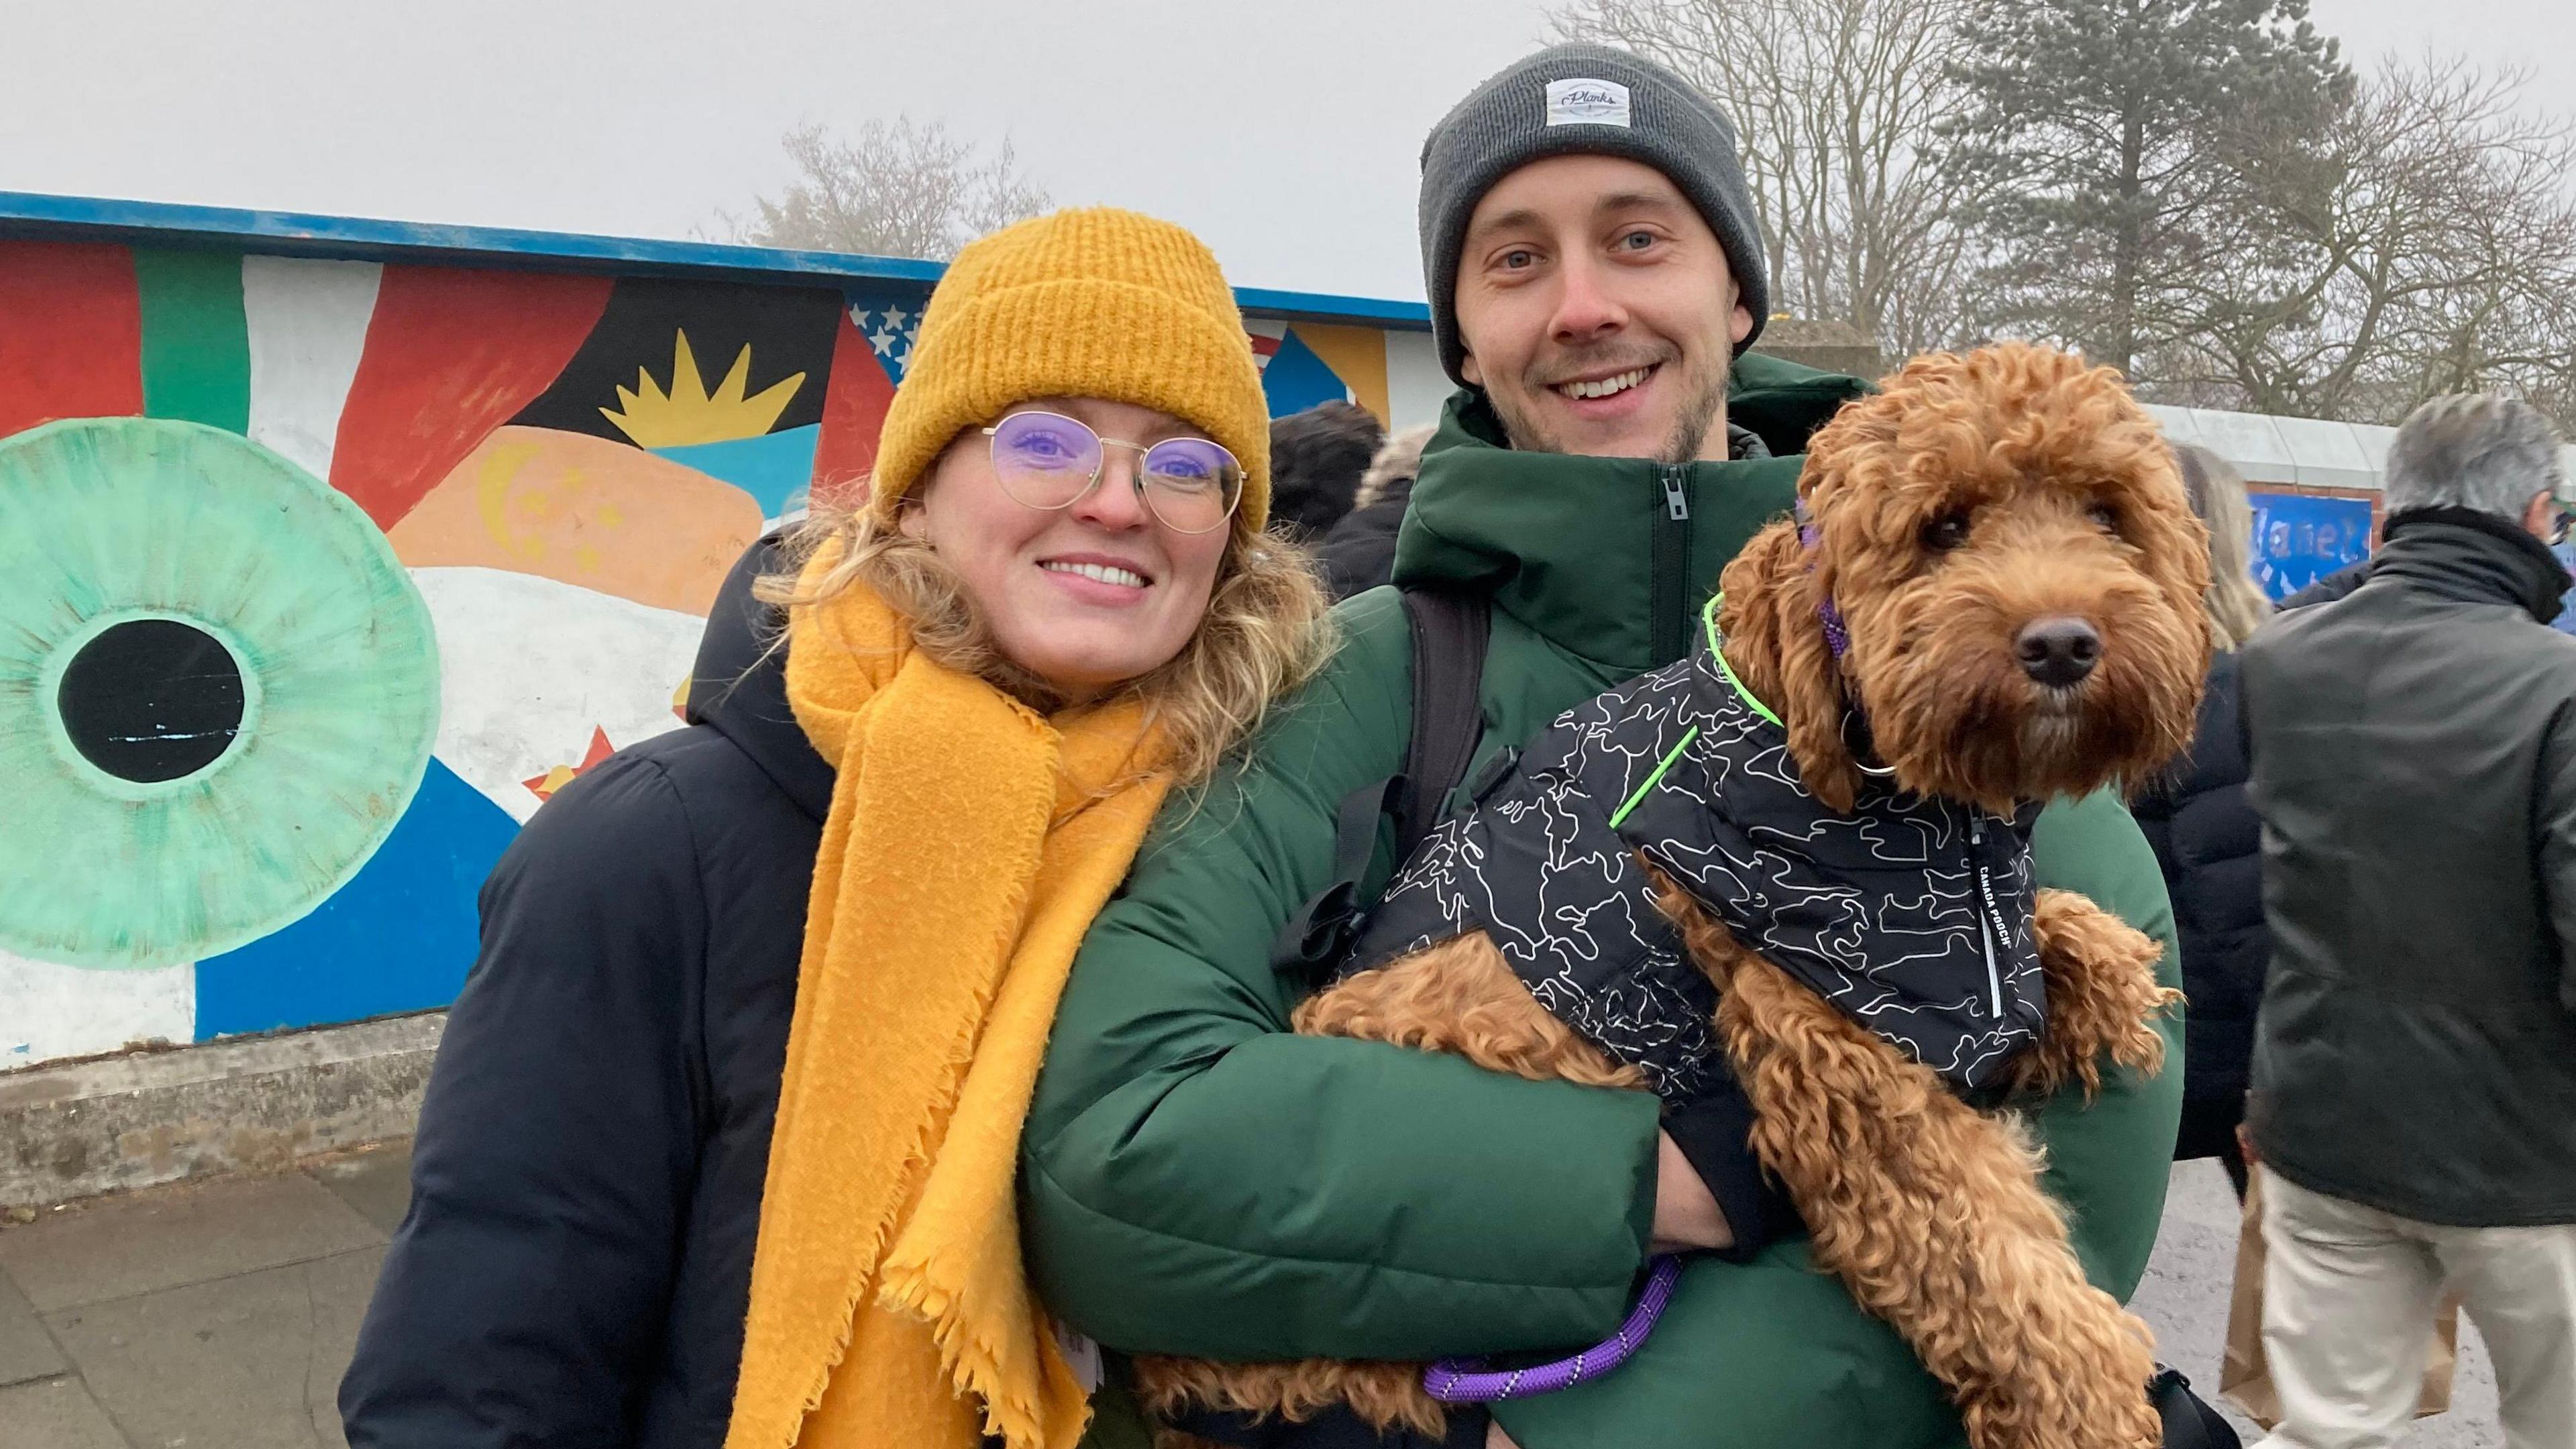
2414 752
2336 585
586 1184
1359 554
2210 843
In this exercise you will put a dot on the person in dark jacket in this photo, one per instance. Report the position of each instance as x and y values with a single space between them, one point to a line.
2206 837
1359 554
1317 460
2328 589
2414 1076
702 1160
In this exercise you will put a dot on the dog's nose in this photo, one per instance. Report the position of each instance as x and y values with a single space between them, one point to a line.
2058 651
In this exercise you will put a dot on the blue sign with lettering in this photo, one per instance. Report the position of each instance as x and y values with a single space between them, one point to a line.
2299 540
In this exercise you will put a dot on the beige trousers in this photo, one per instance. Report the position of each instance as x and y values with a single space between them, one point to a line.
2348 1301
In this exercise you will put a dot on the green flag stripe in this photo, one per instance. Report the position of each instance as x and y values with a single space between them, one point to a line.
196 343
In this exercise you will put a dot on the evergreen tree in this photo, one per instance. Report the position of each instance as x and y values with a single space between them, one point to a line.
2100 138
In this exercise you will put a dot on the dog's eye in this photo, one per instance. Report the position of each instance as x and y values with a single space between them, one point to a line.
1946 532
2104 516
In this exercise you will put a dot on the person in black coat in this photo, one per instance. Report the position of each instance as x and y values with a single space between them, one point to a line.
588 1170
614 1179
1359 554
2206 836
1317 459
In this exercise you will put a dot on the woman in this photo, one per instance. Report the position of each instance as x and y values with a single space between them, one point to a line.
720 1142
2207 838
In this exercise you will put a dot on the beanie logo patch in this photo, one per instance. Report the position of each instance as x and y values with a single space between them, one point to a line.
1587 103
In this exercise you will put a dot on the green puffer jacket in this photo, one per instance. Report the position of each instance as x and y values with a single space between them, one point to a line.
1196 1180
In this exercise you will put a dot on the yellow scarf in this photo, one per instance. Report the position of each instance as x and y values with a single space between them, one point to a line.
969 844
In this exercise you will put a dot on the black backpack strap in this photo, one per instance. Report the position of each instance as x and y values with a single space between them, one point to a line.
2189 1421
1448 633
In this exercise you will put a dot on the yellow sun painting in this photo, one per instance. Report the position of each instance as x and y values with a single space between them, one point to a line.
688 413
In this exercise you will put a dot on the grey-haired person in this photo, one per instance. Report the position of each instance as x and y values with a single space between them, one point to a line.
2414 1074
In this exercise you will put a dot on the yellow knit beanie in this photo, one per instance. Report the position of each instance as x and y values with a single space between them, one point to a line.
1098 303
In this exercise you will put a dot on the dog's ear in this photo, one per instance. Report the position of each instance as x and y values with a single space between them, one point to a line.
1775 642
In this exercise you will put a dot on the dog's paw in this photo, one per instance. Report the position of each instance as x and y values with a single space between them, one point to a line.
2103 1000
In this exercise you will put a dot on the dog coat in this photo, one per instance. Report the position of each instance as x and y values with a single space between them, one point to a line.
1912 916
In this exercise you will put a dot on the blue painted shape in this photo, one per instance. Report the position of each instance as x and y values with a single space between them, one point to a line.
1297 379
398 937
890 321
307 234
773 468
2299 539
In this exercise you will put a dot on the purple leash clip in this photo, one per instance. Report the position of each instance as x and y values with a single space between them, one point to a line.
1468 1381
1837 638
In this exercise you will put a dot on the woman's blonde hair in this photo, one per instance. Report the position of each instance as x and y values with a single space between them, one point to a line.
2236 606
1265 632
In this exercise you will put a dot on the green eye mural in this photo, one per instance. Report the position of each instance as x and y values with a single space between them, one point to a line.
218 689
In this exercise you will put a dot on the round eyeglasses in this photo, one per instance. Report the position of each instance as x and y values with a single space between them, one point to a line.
1047 460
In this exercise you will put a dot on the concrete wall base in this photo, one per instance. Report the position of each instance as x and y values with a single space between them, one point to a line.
78 1129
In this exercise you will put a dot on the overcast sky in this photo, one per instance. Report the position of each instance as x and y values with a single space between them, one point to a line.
1289 144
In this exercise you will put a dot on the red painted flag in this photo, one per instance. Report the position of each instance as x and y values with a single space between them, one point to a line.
854 409
451 354
71 333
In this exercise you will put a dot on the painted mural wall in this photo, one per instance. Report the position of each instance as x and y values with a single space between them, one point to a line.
318 578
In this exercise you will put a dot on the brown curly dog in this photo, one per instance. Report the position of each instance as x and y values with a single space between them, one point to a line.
1966 516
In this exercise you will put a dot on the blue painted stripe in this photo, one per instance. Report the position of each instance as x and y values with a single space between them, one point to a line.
398 937
773 468
28 214
1329 307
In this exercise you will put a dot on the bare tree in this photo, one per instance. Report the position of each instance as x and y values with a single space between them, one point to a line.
2425 244
1834 103
895 189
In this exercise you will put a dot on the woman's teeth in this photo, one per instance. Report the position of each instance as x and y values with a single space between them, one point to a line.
1105 573
1606 386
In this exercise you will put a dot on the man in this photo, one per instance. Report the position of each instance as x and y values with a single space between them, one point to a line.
1196 1180
2414 1080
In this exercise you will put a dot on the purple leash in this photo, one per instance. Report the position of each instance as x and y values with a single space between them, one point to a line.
1837 638
1467 1381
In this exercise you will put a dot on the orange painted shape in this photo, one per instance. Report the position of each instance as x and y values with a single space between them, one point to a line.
854 409
544 786
1357 355
451 354
71 333
584 511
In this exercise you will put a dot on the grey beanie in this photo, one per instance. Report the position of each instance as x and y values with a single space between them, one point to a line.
1583 99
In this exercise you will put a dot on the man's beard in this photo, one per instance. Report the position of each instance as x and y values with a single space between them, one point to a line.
1700 407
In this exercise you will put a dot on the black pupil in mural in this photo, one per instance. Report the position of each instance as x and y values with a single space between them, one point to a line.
151 700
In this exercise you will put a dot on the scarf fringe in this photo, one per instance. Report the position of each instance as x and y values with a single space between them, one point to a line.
972 1360
917 1158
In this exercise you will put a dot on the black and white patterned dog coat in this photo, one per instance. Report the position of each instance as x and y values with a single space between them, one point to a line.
1911 915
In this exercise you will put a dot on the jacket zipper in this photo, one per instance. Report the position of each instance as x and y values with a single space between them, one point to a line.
1668 594
1987 917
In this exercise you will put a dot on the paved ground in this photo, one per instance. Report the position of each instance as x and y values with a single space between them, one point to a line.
216 1315
220 1315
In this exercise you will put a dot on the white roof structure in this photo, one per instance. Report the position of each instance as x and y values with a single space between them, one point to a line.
2306 452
